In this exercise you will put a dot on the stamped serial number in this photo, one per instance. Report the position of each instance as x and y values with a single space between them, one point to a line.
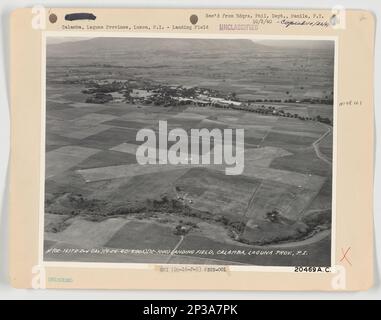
312 269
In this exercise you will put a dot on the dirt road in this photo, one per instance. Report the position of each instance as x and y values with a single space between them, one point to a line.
316 144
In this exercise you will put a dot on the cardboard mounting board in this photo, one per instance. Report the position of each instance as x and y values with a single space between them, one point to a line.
351 239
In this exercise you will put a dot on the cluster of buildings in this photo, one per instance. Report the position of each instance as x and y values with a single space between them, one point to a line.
146 93
161 95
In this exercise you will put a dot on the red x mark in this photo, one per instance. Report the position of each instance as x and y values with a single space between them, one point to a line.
345 255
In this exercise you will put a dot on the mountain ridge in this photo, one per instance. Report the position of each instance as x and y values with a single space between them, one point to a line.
117 44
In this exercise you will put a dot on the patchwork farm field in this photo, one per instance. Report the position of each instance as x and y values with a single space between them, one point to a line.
100 199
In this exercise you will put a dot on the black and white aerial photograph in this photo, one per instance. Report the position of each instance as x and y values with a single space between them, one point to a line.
189 151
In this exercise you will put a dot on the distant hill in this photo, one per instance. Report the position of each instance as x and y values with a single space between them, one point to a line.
105 45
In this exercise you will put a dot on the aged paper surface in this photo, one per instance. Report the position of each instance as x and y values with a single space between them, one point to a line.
192 149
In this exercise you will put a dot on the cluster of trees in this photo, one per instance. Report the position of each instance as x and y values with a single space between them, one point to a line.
325 100
324 120
100 98
104 88
270 110
265 100
293 100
